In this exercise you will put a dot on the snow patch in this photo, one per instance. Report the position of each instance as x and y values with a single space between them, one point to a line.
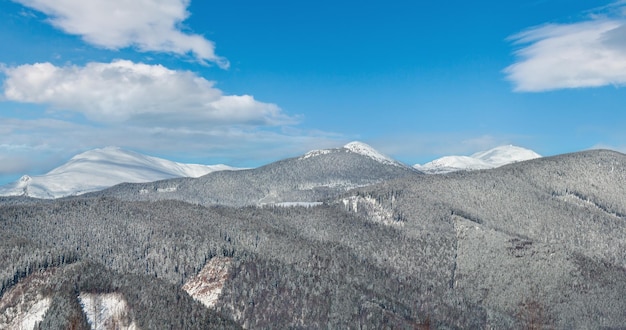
106 311
314 153
207 286
165 190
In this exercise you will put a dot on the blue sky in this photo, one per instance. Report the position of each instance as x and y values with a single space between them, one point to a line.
249 82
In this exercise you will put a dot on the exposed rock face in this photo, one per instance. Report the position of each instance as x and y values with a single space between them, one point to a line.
24 305
207 285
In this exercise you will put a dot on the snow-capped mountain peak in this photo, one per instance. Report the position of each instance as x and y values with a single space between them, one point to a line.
491 158
461 162
101 168
366 150
502 155
356 147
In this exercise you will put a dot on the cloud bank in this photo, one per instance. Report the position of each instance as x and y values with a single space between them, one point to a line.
148 25
591 53
141 94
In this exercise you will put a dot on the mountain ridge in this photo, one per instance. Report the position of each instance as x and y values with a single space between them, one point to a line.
101 168
535 243
481 160
312 177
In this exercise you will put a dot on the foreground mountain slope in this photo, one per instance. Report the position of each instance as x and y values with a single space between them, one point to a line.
102 168
315 176
536 244
544 229
491 158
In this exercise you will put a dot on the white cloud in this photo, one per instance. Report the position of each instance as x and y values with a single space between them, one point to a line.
149 25
584 54
141 94
149 108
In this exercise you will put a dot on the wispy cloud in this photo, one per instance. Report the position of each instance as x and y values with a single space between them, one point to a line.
148 25
141 94
42 144
591 53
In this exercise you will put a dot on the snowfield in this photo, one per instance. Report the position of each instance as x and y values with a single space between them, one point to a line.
482 160
100 169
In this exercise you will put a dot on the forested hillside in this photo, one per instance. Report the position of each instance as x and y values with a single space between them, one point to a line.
537 244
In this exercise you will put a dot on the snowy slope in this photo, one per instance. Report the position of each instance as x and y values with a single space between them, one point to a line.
102 168
491 158
365 150
503 155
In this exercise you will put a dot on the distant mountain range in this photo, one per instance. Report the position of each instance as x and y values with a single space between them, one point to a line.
102 168
536 244
492 158
312 177
337 238
99 169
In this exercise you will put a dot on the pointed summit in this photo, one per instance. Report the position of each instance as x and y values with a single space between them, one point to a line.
366 150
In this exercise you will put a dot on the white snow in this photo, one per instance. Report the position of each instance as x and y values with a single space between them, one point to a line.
314 153
357 148
164 190
366 150
453 163
503 155
106 311
102 168
492 158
